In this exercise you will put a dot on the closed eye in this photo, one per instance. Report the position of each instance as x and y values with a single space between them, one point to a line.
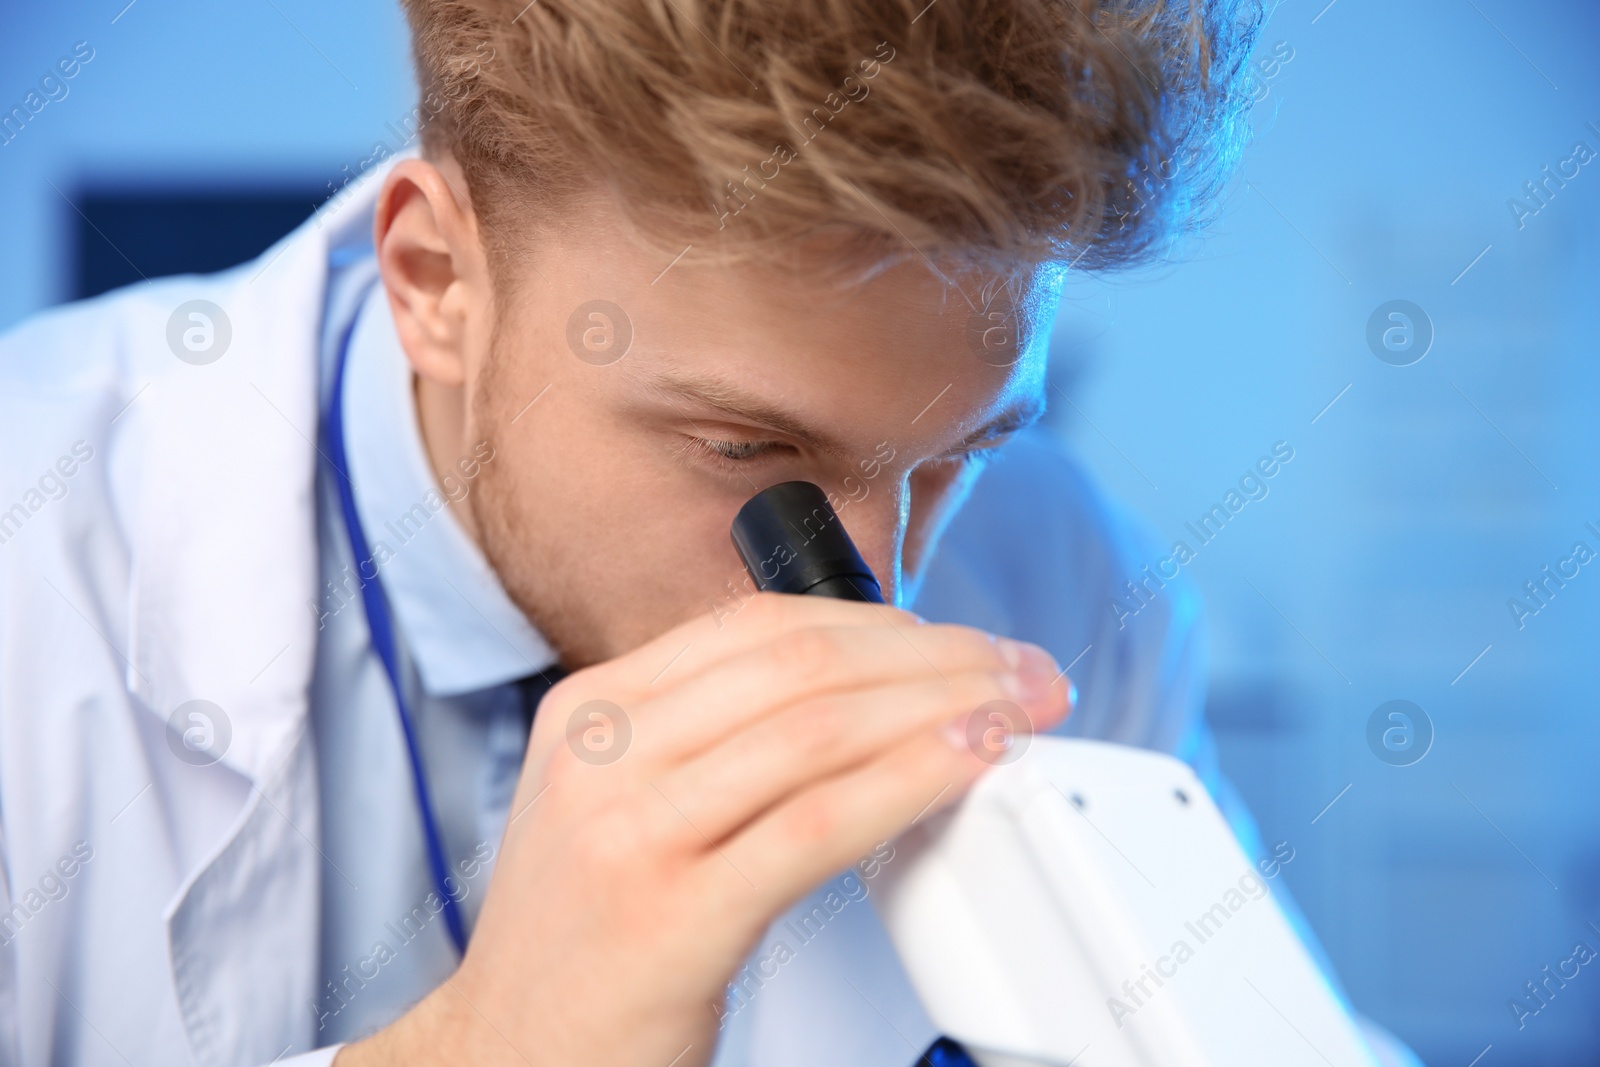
729 454
739 451
983 451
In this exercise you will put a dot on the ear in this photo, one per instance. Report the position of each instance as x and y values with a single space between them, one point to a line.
433 265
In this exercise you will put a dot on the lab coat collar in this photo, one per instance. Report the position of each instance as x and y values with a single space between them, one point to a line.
211 459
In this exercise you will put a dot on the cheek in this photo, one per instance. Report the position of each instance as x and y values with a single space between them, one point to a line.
598 526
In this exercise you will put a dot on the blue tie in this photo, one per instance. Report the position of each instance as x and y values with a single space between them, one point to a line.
945 1053
535 686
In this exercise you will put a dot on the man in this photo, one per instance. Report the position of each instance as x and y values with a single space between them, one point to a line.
294 552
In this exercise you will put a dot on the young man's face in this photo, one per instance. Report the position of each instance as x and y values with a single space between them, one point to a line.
634 404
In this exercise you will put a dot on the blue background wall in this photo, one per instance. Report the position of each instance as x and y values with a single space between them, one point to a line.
1380 565
1419 500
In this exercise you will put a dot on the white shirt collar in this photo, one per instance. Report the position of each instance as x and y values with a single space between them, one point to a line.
460 627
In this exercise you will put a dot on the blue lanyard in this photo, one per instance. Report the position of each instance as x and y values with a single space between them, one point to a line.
383 641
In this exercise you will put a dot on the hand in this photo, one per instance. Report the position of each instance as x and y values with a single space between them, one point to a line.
765 756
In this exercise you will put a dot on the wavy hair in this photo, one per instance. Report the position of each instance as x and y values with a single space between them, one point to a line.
990 131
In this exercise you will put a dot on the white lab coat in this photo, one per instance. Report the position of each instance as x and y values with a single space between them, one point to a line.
176 562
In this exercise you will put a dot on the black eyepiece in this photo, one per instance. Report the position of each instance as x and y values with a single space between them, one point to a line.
791 541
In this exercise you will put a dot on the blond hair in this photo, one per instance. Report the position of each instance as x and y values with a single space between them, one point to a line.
1020 131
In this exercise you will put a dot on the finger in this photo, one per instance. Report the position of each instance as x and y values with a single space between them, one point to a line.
824 828
726 787
696 644
677 722
703 711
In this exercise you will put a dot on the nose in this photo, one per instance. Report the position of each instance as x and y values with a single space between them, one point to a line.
897 522
893 519
876 522
909 522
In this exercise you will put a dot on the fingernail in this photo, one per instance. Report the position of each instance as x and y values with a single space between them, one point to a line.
1011 651
1032 679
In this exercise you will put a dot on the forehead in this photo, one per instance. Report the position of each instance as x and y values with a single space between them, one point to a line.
905 352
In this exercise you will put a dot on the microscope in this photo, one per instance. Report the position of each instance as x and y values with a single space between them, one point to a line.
1085 904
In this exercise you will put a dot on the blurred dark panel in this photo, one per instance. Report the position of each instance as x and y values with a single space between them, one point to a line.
124 236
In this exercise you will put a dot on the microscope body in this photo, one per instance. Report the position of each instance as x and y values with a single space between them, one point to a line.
1088 905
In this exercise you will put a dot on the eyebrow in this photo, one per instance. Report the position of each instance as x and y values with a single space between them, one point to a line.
728 399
